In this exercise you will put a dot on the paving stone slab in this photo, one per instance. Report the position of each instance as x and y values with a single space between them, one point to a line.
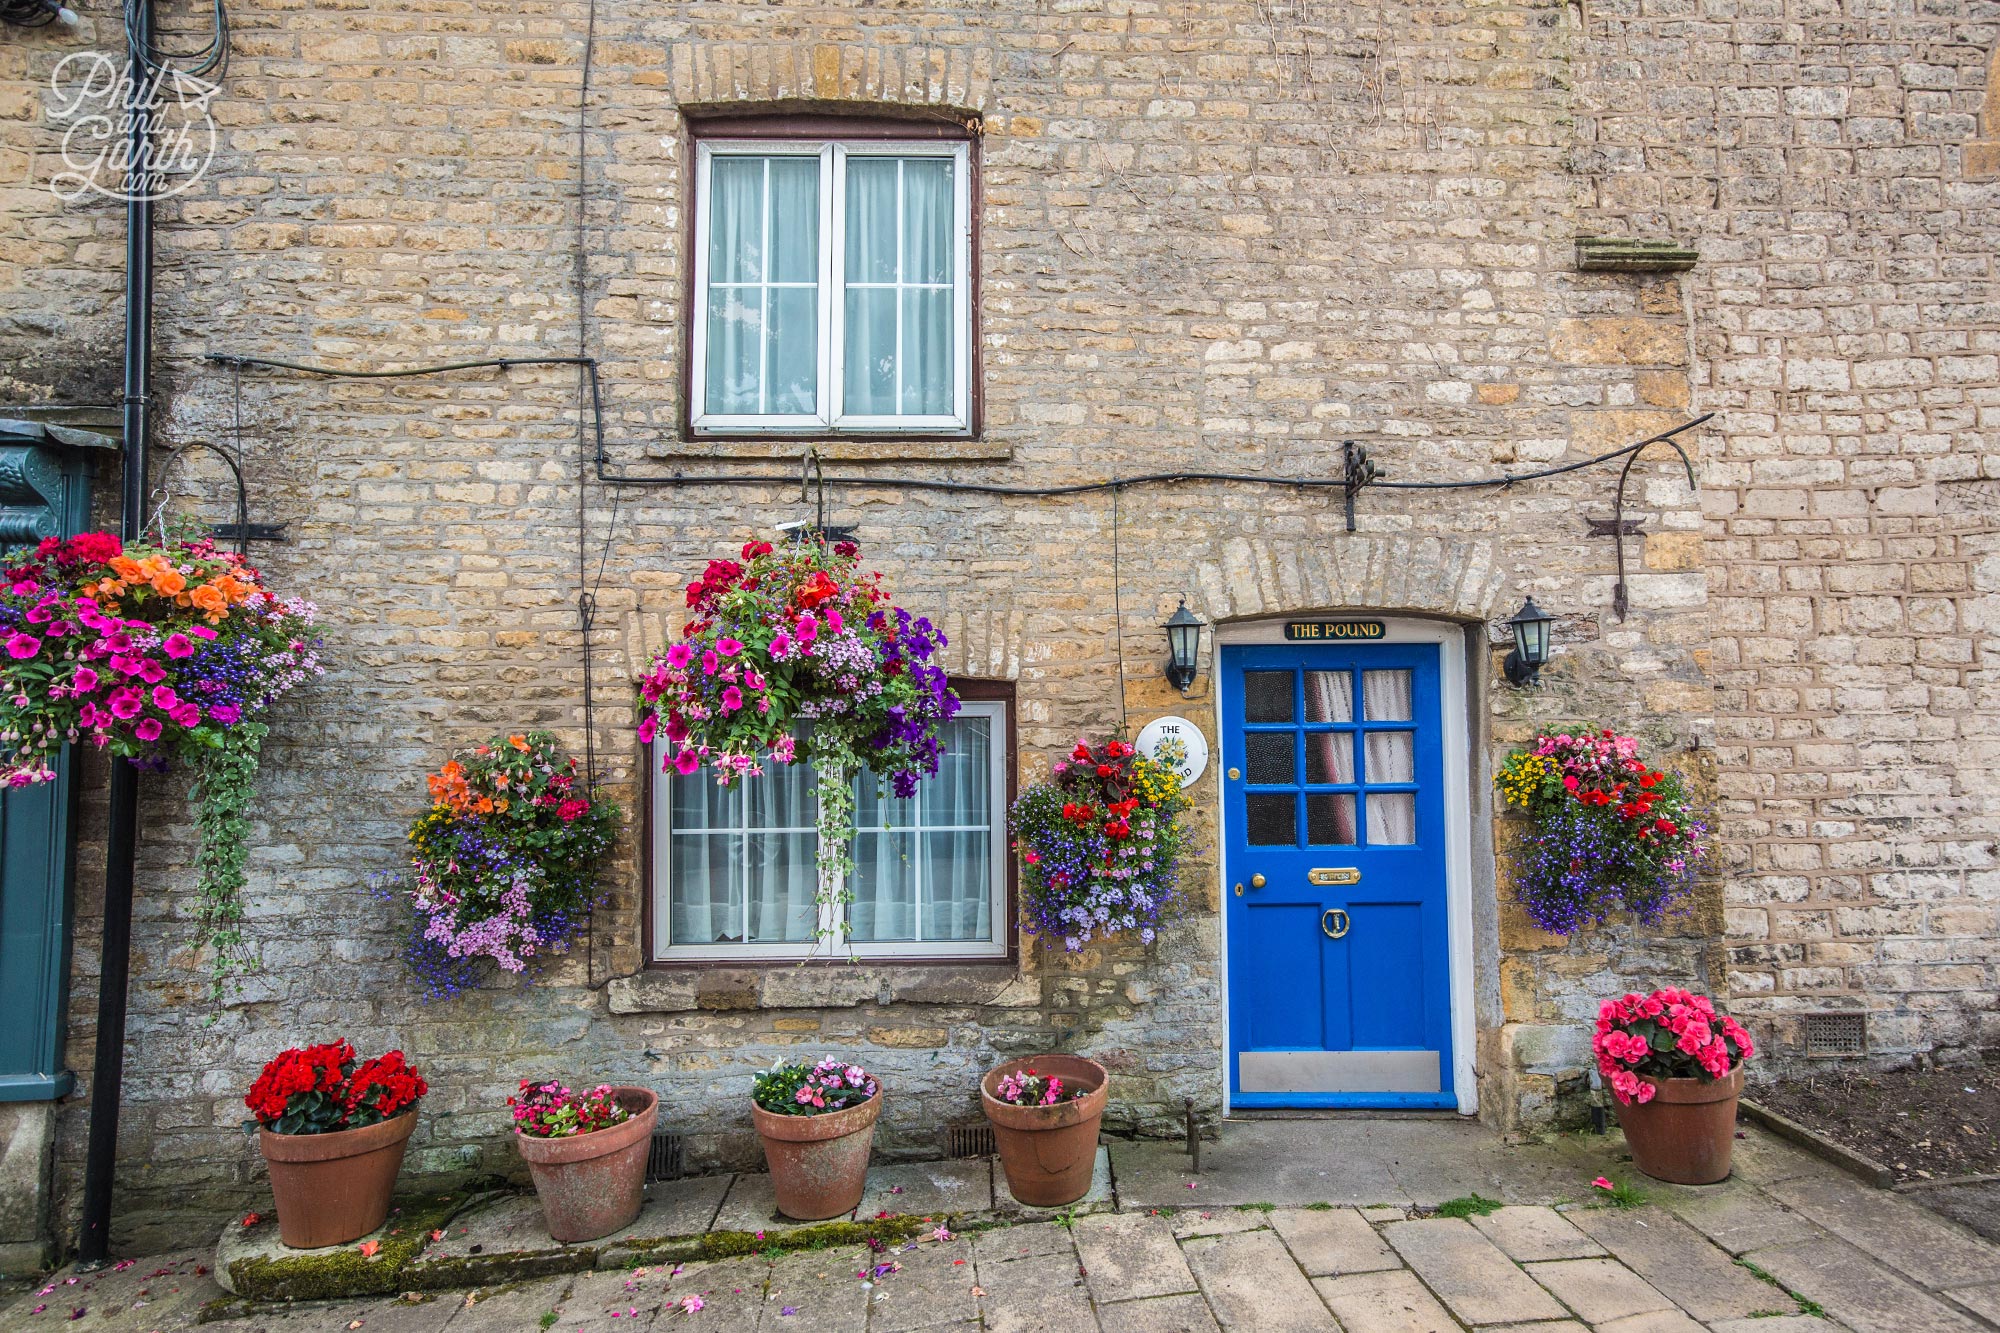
1040 1294
1218 1221
509 1310
673 1209
821 1289
1025 1241
1599 1290
1252 1283
1099 1200
1531 1234
1158 1314
1469 1273
327 1316
1127 1256
1330 1242
1389 1302
1678 1261
164 1292
1784 1323
1912 1240
1736 1215
1857 1291
1763 1158
933 1287
752 1205
1653 1321
1983 1301
930 1189
1385 1212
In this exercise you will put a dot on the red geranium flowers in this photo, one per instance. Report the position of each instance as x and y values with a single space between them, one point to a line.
320 1089
1668 1034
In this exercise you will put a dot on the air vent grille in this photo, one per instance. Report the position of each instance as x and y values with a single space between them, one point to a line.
1837 1034
666 1159
968 1140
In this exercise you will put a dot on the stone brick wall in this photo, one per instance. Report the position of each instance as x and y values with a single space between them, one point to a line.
1217 235
1833 166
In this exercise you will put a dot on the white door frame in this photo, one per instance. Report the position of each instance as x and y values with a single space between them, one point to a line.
1450 638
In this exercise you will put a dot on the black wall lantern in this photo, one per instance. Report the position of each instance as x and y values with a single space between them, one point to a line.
1183 646
1531 627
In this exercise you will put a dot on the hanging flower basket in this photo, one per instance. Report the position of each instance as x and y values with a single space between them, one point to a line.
791 647
1101 842
1611 832
503 865
157 654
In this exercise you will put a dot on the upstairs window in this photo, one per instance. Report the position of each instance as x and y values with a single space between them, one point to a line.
832 287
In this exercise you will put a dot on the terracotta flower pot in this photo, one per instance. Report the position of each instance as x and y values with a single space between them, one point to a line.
1048 1152
1684 1135
334 1188
819 1163
592 1184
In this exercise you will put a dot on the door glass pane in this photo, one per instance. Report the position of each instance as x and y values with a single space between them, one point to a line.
885 887
1272 820
706 888
1329 696
1269 758
958 898
1329 756
1392 756
1392 818
1267 696
1385 696
1330 819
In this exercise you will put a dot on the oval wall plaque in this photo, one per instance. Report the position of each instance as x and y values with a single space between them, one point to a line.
1194 760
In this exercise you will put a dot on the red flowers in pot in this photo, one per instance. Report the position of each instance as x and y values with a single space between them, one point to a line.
332 1130
586 1152
1675 1064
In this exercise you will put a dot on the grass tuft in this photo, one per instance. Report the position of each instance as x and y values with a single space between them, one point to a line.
1470 1205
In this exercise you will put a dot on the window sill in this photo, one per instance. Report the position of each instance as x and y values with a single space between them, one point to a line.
837 448
671 989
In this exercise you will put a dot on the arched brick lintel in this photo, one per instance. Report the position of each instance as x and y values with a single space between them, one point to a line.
1246 578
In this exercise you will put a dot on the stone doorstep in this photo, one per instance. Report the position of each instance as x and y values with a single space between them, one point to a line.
498 1238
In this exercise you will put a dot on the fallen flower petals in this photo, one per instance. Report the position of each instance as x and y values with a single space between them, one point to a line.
689 1304
789 1310
250 1220
1603 1184
369 1248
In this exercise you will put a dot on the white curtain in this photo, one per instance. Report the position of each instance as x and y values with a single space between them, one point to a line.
763 335
707 862
780 868
1329 754
1389 756
923 866
899 286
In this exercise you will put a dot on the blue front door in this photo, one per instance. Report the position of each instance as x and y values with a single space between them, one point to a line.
1334 883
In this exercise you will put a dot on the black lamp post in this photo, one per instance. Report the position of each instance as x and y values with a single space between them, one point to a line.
1183 646
1531 627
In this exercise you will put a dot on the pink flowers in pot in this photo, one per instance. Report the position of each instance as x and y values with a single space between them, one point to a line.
1668 1034
1025 1087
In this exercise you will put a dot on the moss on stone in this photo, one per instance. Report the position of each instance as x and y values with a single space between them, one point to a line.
342 1270
821 1236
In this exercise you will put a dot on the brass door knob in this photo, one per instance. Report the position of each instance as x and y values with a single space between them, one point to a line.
1256 881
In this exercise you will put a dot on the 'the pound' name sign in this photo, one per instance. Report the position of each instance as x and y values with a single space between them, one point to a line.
1175 743
1324 631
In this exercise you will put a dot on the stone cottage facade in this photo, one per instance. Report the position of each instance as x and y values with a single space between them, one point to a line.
1219 235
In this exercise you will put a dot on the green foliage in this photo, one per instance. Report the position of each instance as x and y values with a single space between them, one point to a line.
548 1319
1470 1205
1622 1194
225 782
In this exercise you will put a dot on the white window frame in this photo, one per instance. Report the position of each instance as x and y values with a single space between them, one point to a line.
839 946
829 413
